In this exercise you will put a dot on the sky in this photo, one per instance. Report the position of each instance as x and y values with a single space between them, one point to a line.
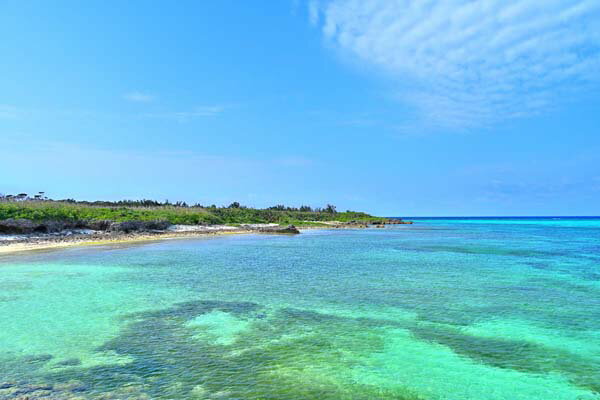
394 107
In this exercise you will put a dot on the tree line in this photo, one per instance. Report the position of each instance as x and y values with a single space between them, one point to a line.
147 203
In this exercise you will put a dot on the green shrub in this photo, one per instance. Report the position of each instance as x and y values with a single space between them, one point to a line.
72 212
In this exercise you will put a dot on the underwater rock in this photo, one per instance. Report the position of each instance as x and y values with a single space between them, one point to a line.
132 392
71 362
221 394
37 359
72 386
30 391
199 392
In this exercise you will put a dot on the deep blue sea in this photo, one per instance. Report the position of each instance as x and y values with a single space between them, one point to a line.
446 308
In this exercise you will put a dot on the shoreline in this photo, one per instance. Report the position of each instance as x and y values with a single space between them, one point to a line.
60 242
102 239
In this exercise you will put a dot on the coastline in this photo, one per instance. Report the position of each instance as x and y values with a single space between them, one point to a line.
28 224
59 242
100 239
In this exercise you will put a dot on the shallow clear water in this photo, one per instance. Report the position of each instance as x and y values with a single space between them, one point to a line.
442 309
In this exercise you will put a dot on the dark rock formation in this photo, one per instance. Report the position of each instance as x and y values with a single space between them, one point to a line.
25 226
290 229
126 226
138 226
157 225
101 225
350 225
392 221
398 221
17 226
52 226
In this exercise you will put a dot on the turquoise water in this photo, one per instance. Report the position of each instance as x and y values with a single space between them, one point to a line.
442 309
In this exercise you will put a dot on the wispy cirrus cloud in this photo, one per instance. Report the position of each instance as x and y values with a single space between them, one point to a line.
11 112
467 63
139 97
294 161
8 112
185 116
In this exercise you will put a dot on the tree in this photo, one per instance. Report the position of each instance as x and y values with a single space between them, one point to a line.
330 208
235 204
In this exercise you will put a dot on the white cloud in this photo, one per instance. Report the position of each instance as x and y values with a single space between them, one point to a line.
139 97
313 12
184 116
294 161
8 112
467 63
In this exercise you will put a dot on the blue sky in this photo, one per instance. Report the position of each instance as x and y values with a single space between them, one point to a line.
409 108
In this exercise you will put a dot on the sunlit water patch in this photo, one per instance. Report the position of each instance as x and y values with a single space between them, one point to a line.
438 310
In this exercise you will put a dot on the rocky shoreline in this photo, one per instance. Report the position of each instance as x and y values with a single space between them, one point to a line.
24 235
69 238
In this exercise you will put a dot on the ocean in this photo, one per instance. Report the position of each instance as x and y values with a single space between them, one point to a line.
446 308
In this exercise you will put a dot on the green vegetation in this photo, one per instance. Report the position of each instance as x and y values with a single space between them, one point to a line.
179 213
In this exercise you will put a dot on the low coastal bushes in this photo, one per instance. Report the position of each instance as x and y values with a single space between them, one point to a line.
77 215
58 211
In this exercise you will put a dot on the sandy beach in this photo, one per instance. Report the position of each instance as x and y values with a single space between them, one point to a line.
45 243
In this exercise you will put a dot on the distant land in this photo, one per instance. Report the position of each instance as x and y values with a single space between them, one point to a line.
38 220
40 208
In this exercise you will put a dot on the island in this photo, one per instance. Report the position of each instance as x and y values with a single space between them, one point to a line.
31 222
